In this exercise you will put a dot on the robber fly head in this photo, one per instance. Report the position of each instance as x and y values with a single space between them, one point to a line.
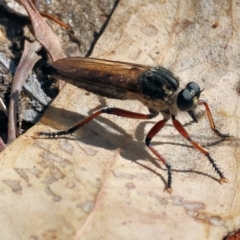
188 97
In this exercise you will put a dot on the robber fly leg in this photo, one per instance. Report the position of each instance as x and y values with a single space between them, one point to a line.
185 134
113 111
155 129
210 118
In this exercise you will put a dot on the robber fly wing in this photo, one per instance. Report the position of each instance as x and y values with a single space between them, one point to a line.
104 73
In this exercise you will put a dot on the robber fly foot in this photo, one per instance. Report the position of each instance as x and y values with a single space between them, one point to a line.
223 180
222 135
169 190
36 135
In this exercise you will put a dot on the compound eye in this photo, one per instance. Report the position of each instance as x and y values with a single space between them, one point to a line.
194 88
188 97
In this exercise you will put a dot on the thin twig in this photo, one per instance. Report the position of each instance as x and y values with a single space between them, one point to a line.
29 58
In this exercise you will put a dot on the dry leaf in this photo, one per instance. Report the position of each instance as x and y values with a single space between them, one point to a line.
102 183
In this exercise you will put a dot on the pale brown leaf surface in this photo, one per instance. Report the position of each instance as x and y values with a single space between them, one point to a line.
102 183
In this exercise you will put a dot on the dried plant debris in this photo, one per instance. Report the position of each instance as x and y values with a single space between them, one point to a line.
6 70
86 21
38 99
33 99
14 7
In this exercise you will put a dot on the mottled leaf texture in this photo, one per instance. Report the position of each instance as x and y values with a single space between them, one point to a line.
102 182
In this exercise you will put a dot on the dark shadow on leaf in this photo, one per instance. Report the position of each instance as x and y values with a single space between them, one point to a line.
95 134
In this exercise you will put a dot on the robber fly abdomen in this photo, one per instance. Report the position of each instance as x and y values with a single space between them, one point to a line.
156 87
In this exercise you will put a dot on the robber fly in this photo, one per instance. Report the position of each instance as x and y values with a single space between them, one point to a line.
156 87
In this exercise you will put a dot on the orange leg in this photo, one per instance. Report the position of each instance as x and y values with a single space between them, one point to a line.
210 118
185 134
113 111
123 113
155 129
